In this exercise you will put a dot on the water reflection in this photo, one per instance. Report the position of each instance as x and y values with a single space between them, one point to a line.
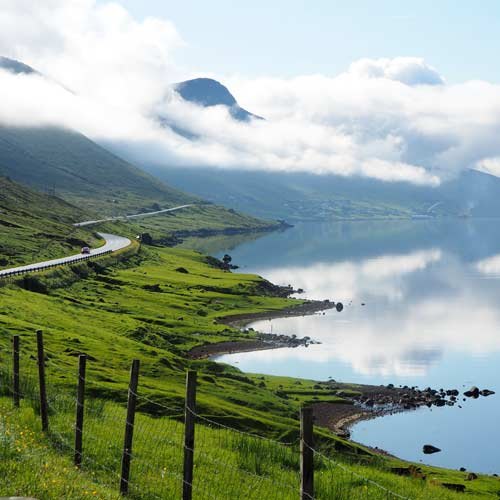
431 317
347 280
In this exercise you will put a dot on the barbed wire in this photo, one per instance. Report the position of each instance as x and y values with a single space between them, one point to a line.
354 473
224 452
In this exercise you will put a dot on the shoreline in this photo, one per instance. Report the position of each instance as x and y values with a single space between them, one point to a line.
308 307
264 341
357 402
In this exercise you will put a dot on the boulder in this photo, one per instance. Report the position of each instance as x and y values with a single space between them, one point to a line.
486 392
428 449
473 392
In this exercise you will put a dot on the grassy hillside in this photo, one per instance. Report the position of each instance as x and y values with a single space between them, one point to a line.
35 226
80 171
229 465
155 307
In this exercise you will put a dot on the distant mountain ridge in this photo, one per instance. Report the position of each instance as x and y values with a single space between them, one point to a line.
307 196
207 92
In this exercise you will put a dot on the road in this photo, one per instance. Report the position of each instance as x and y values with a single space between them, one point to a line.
113 243
126 217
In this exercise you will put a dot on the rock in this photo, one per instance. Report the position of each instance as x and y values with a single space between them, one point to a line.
439 402
428 449
486 392
473 392
454 487
339 306
401 471
462 469
471 476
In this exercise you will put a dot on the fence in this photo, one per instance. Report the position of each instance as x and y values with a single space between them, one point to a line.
36 269
172 451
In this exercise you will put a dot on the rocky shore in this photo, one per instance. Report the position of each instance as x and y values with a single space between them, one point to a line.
306 308
370 401
262 341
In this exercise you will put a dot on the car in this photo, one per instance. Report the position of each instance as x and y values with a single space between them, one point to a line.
85 251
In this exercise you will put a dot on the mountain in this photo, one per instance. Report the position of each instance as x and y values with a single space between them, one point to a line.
80 171
304 196
16 67
207 92
68 163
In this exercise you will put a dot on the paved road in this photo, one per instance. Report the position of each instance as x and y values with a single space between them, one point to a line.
113 243
126 217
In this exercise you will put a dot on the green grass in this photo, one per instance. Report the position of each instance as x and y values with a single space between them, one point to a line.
228 465
35 226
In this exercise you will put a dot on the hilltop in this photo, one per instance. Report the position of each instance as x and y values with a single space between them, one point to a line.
207 92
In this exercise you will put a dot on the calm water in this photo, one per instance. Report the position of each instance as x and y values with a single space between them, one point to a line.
431 291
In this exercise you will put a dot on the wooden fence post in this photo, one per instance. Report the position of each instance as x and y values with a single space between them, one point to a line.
129 427
189 425
306 454
15 375
80 407
41 380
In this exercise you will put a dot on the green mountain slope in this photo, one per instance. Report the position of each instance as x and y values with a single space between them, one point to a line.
35 226
80 171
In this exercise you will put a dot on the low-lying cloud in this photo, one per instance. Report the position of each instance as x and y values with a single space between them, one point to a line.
109 75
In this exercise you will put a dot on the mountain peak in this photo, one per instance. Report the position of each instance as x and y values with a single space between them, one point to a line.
16 67
207 92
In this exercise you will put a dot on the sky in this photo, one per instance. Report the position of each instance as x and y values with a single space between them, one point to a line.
286 38
379 90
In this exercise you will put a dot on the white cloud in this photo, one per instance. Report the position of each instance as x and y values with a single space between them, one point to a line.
390 119
407 70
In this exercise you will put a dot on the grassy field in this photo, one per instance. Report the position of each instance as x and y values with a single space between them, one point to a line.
155 307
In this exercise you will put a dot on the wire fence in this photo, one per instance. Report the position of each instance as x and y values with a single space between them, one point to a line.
168 456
